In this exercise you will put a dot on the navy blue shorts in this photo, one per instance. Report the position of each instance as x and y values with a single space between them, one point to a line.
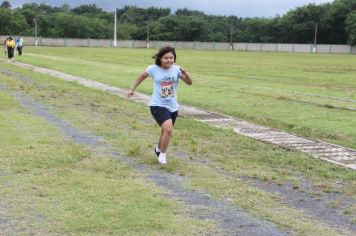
161 114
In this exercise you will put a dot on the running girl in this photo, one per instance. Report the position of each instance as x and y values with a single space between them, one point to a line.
163 103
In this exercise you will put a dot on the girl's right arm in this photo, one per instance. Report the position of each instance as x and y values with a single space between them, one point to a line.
137 82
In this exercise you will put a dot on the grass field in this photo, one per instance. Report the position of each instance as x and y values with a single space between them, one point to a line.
310 95
51 185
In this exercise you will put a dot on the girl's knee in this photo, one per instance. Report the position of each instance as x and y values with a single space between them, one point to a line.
168 130
167 127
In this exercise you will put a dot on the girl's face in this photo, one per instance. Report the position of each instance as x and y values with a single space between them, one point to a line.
167 60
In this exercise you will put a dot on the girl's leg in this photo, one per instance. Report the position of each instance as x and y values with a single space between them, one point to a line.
160 138
166 133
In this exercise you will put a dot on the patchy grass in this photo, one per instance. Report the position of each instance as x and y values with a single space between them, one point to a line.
297 92
49 185
212 158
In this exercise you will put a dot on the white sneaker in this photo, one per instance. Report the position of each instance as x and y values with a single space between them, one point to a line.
162 160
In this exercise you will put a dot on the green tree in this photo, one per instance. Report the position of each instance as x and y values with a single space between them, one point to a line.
29 11
187 12
87 9
153 13
132 15
258 30
6 5
66 24
219 27
127 31
11 23
5 16
299 25
181 28
335 21
351 27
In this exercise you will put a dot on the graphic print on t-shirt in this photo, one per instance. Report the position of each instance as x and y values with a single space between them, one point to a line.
167 87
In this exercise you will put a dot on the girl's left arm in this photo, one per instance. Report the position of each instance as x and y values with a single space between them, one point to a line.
138 81
185 76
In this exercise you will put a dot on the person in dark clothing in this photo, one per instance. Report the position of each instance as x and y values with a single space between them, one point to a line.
10 45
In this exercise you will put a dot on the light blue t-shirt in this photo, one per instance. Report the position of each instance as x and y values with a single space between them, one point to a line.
165 84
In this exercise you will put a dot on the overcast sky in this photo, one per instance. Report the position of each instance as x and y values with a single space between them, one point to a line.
240 8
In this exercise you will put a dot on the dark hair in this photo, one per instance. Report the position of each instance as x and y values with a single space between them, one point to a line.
163 51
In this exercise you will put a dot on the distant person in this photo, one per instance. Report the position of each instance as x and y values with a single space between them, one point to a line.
10 46
19 44
163 103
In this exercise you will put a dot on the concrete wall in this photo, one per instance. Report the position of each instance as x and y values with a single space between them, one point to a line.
322 48
222 46
269 47
253 47
341 49
302 48
257 47
281 47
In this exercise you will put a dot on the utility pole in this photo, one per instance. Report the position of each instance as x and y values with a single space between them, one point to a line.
231 33
115 40
315 37
35 21
148 35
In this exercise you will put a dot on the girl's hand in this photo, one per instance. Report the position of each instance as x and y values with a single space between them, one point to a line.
138 81
130 92
185 76
184 72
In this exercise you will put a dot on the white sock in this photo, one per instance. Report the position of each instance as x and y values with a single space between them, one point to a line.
158 150
162 158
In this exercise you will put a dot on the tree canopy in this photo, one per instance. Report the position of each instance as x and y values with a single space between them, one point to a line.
336 23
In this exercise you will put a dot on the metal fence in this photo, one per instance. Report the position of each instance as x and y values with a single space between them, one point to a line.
260 47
